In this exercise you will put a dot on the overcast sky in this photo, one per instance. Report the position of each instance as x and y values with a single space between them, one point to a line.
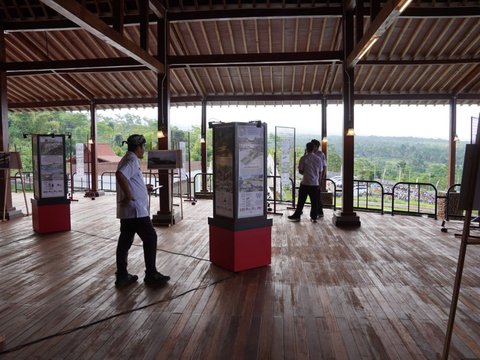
394 120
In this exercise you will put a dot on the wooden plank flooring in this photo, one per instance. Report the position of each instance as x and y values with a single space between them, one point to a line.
382 291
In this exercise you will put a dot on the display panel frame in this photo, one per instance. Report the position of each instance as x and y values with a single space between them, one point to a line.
49 167
239 166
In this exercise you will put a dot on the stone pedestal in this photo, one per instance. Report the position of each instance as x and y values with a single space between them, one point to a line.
163 219
342 219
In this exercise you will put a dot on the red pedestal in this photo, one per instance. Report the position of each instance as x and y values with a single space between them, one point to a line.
238 250
49 218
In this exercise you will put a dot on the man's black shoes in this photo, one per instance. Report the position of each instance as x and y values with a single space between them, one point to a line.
156 279
125 280
294 218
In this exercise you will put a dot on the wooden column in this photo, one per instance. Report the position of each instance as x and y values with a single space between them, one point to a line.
324 126
359 13
346 216
452 147
5 193
165 216
93 150
203 145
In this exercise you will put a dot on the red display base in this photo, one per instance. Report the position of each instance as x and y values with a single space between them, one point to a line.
49 218
238 250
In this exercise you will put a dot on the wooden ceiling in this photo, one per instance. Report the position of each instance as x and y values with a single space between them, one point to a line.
234 52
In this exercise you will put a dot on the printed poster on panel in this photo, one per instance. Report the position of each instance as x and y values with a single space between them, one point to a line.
223 140
79 159
286 147
51 151
251 171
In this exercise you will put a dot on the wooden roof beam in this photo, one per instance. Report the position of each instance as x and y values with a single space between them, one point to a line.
275 59
74 12
252 13
385 18
238 99
12 25
94 65
313 57
158 8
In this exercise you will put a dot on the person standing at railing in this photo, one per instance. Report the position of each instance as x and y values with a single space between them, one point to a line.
308 166
134 214
322 175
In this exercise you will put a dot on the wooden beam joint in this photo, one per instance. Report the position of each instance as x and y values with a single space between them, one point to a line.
74 12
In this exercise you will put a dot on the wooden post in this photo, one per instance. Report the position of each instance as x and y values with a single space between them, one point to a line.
452 144
203 145
165 215
346 216
93 148
5 194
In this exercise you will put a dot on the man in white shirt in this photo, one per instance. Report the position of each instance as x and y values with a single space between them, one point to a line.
134 214
309 167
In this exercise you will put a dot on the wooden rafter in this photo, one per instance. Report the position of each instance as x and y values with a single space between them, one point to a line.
157 7
385 18
74 12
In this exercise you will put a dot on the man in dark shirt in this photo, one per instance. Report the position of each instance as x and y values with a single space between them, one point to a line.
309 167
322 175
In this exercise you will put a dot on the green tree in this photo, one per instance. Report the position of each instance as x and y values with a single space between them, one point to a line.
334 160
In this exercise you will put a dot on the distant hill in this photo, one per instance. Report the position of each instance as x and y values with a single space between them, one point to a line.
387 148
394 158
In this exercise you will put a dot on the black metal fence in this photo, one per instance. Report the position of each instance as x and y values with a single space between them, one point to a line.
406 198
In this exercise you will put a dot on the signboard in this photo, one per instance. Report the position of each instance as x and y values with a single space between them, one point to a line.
49 166
223 152
165 159
80 159
251 169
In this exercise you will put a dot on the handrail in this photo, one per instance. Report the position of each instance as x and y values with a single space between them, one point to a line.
413 197
26 175
179 177
111 175
368 193
275 199
195 182
418 185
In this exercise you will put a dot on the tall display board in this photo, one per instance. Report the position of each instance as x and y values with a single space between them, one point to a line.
239 230
50 206
49 167
239 166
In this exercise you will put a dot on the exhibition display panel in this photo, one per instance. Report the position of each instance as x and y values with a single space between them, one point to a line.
240 233
50 206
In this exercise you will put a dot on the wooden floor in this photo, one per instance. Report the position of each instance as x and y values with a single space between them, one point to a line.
381 291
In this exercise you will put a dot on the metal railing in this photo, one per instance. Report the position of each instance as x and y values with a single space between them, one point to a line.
16 181
413 199
368 195
406 197
209 184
